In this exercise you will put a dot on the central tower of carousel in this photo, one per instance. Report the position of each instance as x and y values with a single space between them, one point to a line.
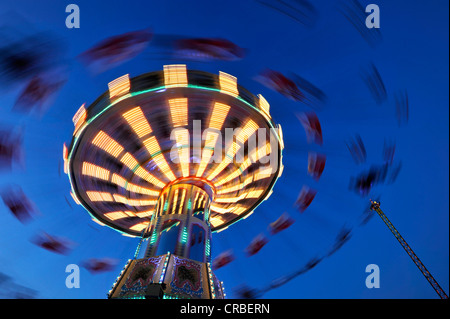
172 156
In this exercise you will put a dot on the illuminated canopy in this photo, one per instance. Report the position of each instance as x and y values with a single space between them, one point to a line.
151 131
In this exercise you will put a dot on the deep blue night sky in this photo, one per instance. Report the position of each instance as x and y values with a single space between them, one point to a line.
412 57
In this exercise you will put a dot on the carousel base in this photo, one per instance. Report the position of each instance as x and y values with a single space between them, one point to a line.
166 277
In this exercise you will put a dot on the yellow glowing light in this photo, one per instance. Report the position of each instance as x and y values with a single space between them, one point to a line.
98 222
280 136
128 235
133 165
152 146
119 215
208 150
95 171
239 210
247 181
263 172
281 170
65 158
75 198
160 204
233 188
79 118
182 140
134 202
214 221
65 152
120 199
183 195
246 195
232 150
118 180
115 215
253 157
219 209
141 190
95 196
195 200
175 200
218 115
175 75
200 201
138 122
248 130
119 86
248 214
130 214
144 214
179 111
263 151
228 84
230 189
142 173
268 194
106 143
139 226
264 105
230 199
129 161
254 193
228 178
248 161
219 168
141 202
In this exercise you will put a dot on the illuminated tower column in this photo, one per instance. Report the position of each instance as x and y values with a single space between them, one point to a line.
181 224
177 260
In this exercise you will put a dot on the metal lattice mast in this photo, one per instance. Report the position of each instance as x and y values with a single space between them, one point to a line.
375 205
